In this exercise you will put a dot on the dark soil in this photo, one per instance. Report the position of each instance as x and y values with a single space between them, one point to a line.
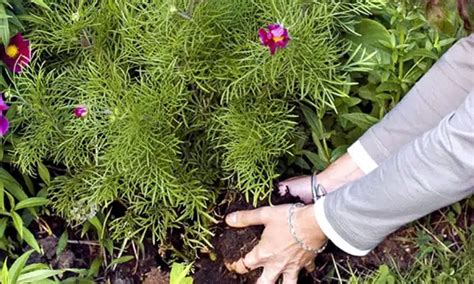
397 250
81 252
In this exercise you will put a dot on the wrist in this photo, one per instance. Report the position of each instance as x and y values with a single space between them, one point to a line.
307 227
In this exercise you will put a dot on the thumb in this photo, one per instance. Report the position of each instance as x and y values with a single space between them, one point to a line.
240 219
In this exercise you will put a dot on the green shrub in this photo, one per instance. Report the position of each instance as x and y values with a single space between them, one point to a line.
182 101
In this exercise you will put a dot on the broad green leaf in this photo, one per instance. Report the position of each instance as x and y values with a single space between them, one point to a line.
338 152
29 238
31 202
97 224
35 266
313 121
17 267
75 280
179 274
5 272
300 162
362 120
457 208
371 36
95 267
62 243
12 185
3 226
28 183
123 259
2 196
4 26
44 173
47 281
38 275
17 223
109 245
318 163
420 52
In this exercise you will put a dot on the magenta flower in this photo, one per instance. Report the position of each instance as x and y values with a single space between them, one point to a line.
276 37
4 123
17 54
3 105
80 111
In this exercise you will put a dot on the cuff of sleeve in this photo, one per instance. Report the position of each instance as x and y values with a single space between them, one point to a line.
331 234
360 156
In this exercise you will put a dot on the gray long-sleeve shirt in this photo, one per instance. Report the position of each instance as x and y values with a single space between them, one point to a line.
425 164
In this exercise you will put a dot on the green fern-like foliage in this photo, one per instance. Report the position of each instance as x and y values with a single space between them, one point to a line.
182 100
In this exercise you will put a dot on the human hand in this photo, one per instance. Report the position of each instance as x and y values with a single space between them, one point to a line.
277 251
299 186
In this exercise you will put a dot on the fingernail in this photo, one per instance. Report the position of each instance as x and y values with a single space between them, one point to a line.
231 218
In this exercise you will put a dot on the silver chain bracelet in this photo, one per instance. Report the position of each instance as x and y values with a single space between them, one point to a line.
293 231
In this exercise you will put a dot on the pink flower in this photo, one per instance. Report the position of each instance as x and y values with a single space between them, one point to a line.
276 37
80 111
17 54
3 104
4 123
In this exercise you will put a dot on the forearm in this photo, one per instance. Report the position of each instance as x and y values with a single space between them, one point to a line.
343 171
432 171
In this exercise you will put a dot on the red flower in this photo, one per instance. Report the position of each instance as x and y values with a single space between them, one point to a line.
276 37
17 54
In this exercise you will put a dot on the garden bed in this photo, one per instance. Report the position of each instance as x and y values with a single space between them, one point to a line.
398 251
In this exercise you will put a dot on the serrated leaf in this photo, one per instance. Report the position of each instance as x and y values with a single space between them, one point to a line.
17 267
17 223
44 173
31 202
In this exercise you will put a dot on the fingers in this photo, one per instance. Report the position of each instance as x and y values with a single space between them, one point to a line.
297 186
247 218
246 264
310 267
268 276
290 277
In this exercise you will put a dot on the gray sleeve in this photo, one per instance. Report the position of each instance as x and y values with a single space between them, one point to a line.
440 91
432 171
